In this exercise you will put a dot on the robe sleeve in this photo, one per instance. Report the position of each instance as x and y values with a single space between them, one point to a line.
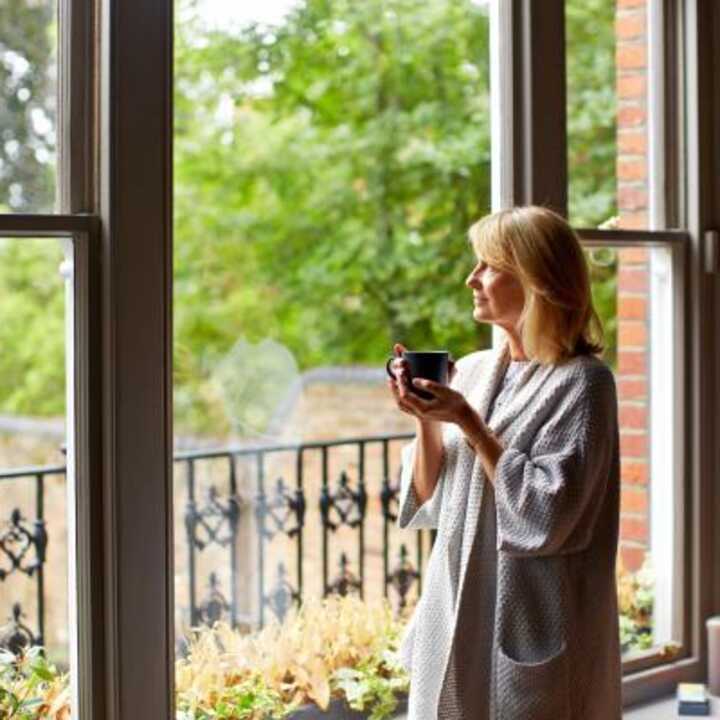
548 499
412 514
426 516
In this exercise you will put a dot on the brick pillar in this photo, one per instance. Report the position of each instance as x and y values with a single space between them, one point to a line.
632 291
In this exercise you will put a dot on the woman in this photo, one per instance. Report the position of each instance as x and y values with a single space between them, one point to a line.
516 465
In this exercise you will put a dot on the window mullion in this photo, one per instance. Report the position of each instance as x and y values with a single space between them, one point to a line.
502 44
136 256
34 226
540 107
76 98
528 104
618 238
529 134
85 510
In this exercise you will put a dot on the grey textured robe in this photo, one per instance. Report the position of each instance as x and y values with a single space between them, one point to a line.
518 619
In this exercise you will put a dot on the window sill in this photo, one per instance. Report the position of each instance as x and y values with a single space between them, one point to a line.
666 709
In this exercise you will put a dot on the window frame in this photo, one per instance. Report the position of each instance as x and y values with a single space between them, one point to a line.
682 112
133 193
84 513
676 242
116 202
114 191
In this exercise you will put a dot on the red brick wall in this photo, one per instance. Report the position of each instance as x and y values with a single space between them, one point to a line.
633 336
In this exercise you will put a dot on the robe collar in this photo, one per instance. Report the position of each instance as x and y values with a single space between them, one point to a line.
528 382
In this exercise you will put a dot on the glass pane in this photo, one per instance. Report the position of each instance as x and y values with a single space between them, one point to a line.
633 294
28 111
34 508
329 159
607 104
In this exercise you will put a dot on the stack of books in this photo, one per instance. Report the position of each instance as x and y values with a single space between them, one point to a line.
693 699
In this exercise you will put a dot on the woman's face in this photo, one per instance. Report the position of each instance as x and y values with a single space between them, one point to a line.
498 296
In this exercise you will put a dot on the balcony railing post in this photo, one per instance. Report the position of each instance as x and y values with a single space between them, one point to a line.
385 499
190 523
40 550
234 520
260 516
300 500
362 507
325 514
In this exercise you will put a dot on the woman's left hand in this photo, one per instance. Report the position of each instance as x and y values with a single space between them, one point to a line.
447 405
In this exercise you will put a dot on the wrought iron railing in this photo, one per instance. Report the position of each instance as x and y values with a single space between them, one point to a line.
230 499
23 546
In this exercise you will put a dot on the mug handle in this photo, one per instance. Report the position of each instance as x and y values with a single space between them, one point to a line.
387 367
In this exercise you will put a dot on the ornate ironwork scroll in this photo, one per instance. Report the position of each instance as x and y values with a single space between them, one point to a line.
214 523
403 577
345 582
215 607
281 513
16 635
18 541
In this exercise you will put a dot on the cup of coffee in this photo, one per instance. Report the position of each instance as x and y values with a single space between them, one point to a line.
428 364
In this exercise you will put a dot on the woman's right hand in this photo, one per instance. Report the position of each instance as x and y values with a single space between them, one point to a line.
400 384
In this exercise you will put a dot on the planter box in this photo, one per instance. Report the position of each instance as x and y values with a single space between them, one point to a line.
339 710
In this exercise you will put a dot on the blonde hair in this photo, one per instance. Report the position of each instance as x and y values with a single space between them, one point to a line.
542 251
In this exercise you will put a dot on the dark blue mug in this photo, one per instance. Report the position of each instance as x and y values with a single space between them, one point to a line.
428 364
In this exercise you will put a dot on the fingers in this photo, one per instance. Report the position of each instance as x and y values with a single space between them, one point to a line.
401 370
434 388
418 406
412 404
400 367
395 388
401 381
401 400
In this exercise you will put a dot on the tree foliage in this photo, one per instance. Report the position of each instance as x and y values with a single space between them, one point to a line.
592 111
32 327
27 105
326 171
32 334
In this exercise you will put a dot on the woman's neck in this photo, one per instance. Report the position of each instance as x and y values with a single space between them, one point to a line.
516 347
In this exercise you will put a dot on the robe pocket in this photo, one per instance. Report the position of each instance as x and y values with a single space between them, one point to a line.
533 690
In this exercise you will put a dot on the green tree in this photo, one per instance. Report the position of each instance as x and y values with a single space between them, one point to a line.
32 333
27 105
592 111
32 327
326 173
